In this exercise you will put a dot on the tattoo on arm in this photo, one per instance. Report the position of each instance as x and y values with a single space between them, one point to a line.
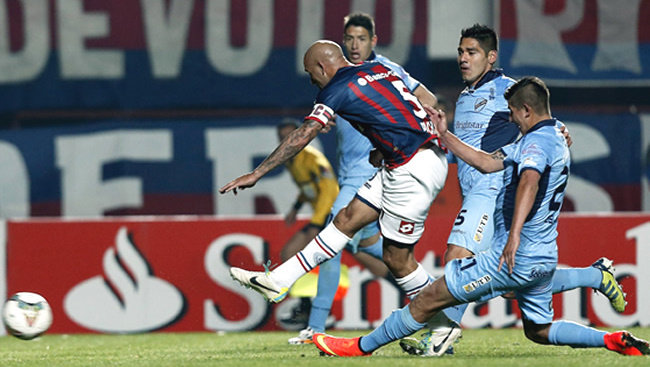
293 144
498 155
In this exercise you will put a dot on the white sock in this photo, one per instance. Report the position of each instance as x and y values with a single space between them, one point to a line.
413 283
329 242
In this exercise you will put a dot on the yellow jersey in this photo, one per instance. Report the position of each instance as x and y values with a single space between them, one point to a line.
313 174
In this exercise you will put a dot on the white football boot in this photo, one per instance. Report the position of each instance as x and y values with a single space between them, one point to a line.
261 282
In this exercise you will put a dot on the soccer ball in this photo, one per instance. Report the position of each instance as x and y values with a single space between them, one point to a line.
27 315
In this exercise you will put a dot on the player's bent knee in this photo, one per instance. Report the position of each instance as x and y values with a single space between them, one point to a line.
536 332
456 252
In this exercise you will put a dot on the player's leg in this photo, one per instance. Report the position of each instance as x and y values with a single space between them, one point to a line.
299 240
599 276
471 233
575 335
444 292
273 285
408 193
329 272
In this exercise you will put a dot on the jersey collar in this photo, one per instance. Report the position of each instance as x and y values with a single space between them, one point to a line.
541 124
490 75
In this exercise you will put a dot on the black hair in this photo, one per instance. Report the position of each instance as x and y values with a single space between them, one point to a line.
532 91
485 36
360 20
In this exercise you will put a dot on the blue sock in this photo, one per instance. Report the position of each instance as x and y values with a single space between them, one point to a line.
571 278
376 250
328 282
455 313
399 324
575 335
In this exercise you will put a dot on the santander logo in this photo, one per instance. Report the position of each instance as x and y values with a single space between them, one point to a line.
127 298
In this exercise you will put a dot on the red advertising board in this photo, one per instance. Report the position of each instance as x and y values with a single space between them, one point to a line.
171 274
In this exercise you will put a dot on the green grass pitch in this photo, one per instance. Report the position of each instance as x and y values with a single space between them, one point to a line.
477 348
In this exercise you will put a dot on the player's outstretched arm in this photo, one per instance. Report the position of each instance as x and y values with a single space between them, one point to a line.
524 200
289 147
481 160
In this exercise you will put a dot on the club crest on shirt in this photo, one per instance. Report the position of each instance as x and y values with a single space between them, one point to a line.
479 104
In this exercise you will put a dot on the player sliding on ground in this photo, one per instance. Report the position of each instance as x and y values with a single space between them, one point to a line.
524 252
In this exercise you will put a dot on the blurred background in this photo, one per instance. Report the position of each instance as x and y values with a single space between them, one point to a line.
147 107
118 108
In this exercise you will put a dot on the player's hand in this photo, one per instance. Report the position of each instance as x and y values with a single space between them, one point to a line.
330 124
375 158
509 252
565 131
240 183
438 118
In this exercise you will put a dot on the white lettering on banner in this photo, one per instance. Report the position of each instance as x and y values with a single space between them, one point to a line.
78 62
403 20
641 272
539 41
81 157
355 300
588 144
539 35
135 302
14 183
311 14
231 158
166 34
618 45
241 60
572 305
218 270
26 64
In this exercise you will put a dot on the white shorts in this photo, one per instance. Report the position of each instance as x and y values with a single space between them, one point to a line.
404 194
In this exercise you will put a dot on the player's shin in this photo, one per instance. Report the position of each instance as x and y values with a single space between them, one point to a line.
329 242
399 324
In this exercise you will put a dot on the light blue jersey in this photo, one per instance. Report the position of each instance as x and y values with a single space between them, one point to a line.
544 149
482 121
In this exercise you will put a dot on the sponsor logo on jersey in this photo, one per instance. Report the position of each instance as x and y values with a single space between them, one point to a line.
478 235
364 80
538 273
479 104
406 227
471 287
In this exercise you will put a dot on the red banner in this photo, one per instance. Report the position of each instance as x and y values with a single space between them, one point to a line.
171 274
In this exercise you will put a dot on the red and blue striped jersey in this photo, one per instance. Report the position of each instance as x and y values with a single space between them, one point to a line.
378 104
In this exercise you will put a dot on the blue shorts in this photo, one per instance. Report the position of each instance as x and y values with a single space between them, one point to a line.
476 279
348 187
474 226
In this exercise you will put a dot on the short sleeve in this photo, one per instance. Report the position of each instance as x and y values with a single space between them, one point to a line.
533 156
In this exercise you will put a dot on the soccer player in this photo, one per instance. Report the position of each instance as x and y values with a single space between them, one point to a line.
353 150
481 120
378 104
317 185
536 172
314 176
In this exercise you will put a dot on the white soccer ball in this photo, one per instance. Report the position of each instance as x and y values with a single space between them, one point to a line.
26 315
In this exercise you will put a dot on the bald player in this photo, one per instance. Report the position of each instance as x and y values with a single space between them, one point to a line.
378 104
